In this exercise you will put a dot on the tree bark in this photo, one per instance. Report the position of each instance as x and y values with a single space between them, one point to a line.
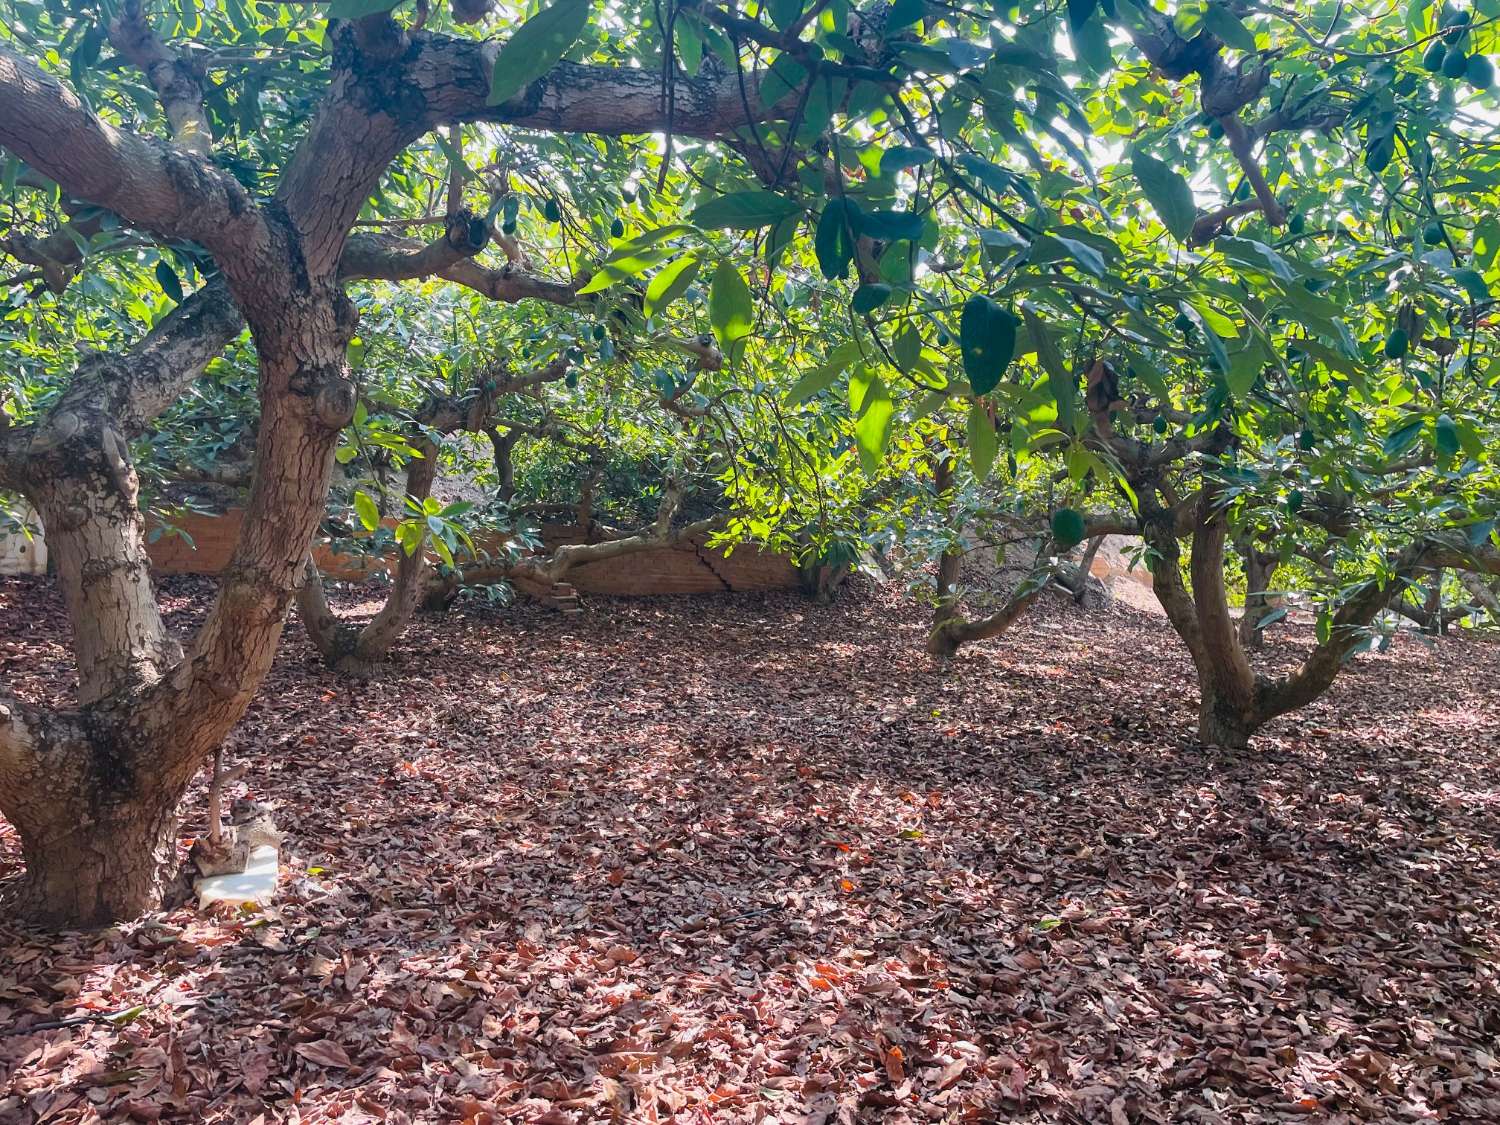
104 855
950 565
1482 594
1234 701
1085 569
1433 606
1222 723
357 651
951 632
93 792
1260 569
504 445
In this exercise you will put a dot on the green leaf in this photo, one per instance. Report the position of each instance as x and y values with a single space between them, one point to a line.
536 47
861 379
620 269
822 377
868 298
784 76
834 240
997 179
689 36
1091 45
1244 369
1258 255
1049 247
1445 437
744 210
784 13
367 510
1226 25
984 443
904 12
780 238
898 158
1473 284
906 349
730 309
1403 437
1217 352
1168 193
170 284
873 430
634 246
670 283
358 9
1060 381
987 338
891 226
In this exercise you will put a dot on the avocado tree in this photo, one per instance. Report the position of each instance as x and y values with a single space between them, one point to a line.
1228 273
268 135
437 404
885 218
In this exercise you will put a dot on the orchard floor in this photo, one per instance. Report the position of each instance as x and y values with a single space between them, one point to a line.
751 860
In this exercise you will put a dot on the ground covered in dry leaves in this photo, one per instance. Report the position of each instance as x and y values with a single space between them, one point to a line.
753 860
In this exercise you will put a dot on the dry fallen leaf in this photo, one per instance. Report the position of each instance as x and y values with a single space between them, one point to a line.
324 1052
1302 932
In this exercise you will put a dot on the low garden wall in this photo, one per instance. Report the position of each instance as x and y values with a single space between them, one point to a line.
688 568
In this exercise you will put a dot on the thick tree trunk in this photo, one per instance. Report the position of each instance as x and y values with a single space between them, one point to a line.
111 862
1228 711
1221 723
93 793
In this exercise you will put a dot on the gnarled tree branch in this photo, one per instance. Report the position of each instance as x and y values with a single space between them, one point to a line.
159 187
177 83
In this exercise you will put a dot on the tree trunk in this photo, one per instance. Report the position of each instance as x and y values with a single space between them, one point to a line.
93 792
941 642
357 651
950 569
504 445
1085 569
1433 606
1481 592
951 632
96 543
1221 723
1228 712
1260 569
101 867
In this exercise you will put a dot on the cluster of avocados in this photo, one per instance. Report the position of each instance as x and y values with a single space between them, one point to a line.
1448 53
